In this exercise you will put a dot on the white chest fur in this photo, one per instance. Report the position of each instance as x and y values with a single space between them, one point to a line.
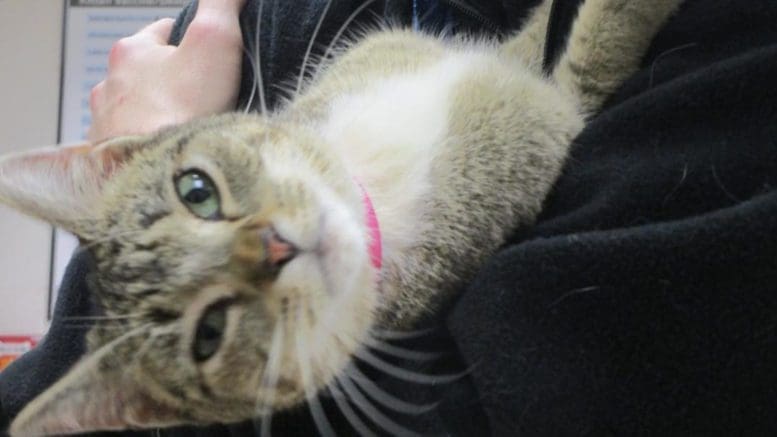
389 135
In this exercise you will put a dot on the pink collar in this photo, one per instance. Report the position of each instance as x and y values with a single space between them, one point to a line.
375 243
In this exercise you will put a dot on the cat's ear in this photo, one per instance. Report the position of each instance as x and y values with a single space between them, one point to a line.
103 392
63 185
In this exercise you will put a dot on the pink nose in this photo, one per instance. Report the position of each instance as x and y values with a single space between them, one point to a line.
279 251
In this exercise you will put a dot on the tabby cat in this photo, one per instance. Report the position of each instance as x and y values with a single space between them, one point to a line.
244 260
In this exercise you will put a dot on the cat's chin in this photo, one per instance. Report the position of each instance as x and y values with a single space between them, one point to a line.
333 244
342 254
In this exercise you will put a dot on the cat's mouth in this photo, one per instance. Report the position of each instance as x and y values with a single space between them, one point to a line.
334 250
331 246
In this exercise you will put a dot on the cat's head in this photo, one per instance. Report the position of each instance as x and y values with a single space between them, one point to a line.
232 266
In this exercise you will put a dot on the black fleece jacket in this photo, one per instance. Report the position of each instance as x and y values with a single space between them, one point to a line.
644 301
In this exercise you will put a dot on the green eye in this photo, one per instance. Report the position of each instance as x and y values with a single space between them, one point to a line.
198 192
210 331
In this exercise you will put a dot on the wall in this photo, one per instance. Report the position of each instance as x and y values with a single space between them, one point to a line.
30 51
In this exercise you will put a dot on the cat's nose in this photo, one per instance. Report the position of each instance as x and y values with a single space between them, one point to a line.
278 250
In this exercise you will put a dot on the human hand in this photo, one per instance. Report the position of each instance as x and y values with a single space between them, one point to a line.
151 84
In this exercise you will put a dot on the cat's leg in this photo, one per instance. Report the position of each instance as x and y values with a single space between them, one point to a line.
607 43
507 138
528 46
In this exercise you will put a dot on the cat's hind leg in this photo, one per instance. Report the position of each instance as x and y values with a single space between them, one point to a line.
607 43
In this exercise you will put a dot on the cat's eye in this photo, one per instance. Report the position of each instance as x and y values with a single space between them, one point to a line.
198 192
210 331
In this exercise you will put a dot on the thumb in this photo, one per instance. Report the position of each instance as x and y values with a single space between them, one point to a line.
225 7
215 27
158 31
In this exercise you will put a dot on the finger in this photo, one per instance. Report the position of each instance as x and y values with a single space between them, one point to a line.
127 48
119 52
226 7
96 96
92 134
215 27
95 133
159 31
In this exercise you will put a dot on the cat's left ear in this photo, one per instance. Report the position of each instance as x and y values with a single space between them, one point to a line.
105 391
63 185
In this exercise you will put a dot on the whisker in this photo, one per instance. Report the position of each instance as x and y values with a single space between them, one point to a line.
304 67
251 96
375 392
316 410
121 329
270 380
260 76
388 334
92 325
256 64
384 398
102 318
399 352
369 410
340 31
404 374
358 425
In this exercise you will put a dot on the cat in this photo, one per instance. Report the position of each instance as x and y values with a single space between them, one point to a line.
244 260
